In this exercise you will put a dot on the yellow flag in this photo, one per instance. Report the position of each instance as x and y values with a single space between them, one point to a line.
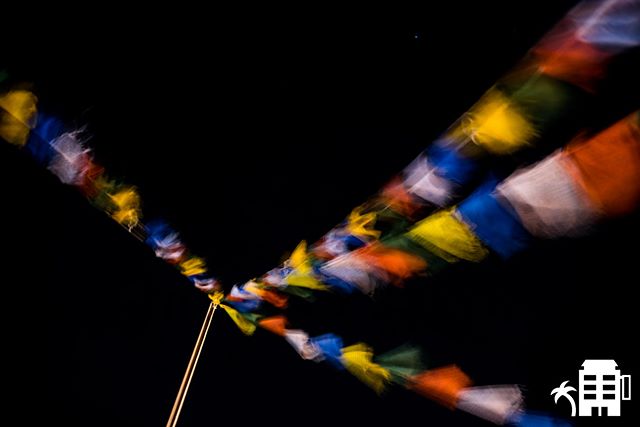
127 204
362 225
448 237
302 275
357 360
497 124
192 266
299 255
253 287
18 117
245 326
305 281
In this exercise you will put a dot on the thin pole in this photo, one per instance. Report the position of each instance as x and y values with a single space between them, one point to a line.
191 367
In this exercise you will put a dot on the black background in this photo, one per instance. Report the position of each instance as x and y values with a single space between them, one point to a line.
250 129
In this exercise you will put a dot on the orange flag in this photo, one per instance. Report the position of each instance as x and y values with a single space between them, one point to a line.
442 385
275 324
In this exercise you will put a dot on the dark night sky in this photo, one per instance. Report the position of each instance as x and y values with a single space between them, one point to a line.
250 130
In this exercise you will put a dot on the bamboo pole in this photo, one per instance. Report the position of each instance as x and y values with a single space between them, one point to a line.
191 367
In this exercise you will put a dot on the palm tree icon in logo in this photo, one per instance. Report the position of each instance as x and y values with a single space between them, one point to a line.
563 391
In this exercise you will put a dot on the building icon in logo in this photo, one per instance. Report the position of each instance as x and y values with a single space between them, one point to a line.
601 389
